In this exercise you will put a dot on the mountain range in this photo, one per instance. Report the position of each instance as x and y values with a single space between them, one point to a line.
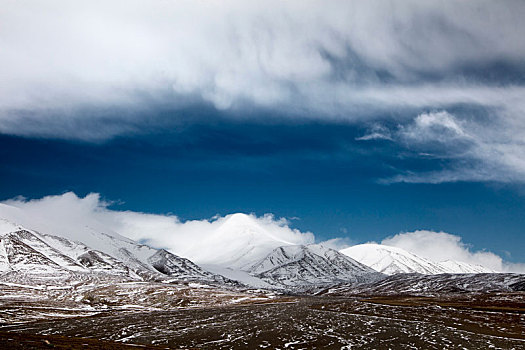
244 254
27 254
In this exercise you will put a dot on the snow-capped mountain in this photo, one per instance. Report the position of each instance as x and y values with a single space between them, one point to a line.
33 253
392 260
95 235
241 248
302 266
237 243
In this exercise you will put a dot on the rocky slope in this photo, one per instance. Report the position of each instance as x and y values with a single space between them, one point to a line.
300 266
417 284
26 253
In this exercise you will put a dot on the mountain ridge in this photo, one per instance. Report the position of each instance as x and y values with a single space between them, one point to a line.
28 251
306 266
393 260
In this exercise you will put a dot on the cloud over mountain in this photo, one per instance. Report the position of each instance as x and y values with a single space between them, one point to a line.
232 240
210 241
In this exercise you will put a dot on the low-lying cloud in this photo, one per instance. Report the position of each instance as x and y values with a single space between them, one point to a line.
218 240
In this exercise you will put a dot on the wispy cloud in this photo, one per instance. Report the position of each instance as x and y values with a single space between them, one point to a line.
439 127
95 70
60 59
476 150
376 132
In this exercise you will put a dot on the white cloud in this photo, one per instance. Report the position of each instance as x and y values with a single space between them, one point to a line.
376 132
468 172
436 126
478 150
338 243
65 65
97 69
441 246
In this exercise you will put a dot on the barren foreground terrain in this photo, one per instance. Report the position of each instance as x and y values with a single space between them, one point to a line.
403 322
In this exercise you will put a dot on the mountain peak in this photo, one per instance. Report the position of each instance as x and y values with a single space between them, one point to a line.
239 240
239 219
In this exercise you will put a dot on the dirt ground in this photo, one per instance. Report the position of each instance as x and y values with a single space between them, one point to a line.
399 322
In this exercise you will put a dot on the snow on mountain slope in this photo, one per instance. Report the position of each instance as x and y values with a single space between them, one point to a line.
29 252
452 266
18 256
95 235
238 275
26 250
172 265
340 261
302 266
392 260
96 261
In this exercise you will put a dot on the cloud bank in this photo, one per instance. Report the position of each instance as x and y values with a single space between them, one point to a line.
329 56
98 69
218 240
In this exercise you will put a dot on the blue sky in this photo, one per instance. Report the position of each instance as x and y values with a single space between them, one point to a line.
318 174
358 120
